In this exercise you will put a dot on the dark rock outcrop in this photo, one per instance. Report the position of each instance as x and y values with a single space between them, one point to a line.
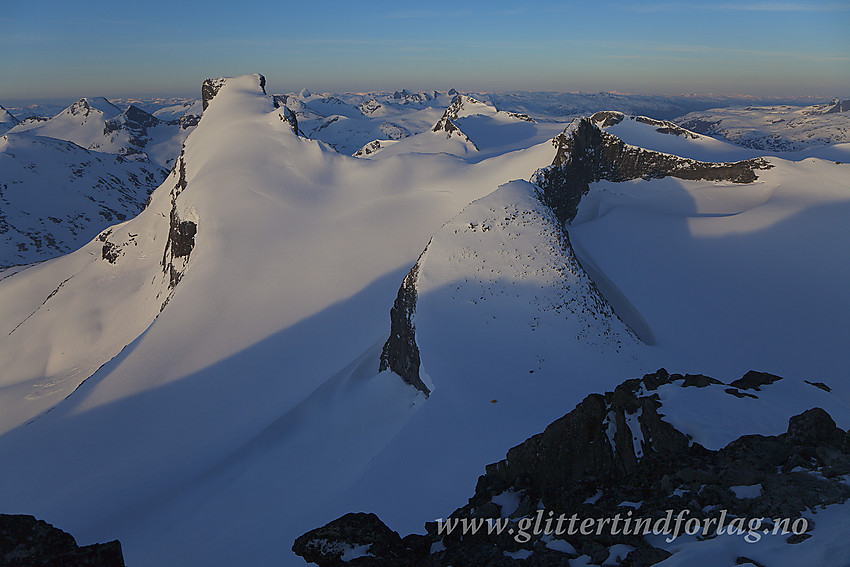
28 542
139 117
753 379
447 122
369 148
611 455
181 234
290 117
357 539
401 353
209 89
586 154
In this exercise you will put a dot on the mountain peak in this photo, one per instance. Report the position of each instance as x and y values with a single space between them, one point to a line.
85 106
211 87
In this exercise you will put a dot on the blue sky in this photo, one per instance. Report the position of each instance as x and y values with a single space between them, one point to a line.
69 49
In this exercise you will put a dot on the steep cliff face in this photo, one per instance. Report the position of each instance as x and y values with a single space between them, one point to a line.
401 353
209 89
181 234
586 153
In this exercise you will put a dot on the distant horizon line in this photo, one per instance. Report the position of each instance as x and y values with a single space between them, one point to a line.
19 102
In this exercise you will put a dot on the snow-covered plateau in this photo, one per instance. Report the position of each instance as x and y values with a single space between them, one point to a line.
338 304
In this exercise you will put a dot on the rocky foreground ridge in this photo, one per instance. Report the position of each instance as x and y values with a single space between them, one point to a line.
615 454
28 542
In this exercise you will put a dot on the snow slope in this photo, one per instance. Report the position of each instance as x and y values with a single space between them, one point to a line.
274 329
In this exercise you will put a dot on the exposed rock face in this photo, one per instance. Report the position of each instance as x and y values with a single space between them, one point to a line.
181 234
209 89
369 148
407 97
606 118
287 114
753 379
457 105
447 125
140 117
351 537
401 353
135 122
520 116
369 107
28 542
586 154
447 122
611 450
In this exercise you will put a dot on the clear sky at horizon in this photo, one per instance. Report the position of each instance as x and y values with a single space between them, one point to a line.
60 49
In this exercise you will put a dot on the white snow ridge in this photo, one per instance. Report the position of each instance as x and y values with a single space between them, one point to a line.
212 377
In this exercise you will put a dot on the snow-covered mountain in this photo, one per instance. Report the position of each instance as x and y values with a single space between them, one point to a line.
55 196
348 121
97 124
775 128
468 128
66 178
254 350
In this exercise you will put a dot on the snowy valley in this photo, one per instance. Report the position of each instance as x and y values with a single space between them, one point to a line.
231 321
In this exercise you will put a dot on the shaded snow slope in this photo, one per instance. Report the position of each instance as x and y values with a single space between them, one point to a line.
728 276
56 196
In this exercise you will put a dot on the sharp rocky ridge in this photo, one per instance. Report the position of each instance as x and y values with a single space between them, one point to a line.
586 154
